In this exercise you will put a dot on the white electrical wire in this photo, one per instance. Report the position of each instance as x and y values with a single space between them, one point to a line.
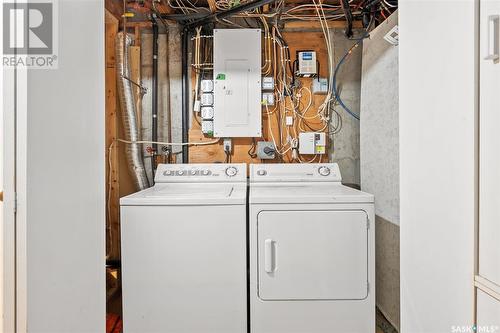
203 143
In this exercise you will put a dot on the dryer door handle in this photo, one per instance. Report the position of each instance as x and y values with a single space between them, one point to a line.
493 49
269 256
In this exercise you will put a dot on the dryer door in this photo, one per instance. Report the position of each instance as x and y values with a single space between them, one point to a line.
313 255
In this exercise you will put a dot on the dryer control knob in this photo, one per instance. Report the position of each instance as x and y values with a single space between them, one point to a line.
324 171
231 171
180 172
206 172
261 172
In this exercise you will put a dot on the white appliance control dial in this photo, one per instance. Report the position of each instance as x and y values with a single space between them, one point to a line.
261 172
168 173
324 171
180 172
193 172
231 171
206 172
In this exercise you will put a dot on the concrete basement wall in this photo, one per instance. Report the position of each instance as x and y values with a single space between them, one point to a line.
380 159
345 149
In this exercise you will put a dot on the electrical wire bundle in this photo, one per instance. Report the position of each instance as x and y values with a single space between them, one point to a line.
293 100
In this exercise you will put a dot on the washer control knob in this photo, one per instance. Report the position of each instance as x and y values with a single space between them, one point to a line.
324 171
261 172
167 173
193 172
206 172
180 172
231 171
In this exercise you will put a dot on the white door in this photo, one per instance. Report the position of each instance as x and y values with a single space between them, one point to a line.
313 255
53 247
489 113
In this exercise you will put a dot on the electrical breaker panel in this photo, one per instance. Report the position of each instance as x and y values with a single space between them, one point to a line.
311 143
237 83
307 64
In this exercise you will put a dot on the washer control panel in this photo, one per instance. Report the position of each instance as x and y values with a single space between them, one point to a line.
200 173
313 172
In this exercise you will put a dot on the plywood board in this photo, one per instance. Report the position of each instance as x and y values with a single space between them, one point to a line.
112 173
241 146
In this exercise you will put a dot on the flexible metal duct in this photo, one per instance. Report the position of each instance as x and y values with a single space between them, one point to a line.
129 114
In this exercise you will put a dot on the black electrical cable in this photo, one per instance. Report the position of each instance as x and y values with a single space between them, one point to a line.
154 96
348 16
251 151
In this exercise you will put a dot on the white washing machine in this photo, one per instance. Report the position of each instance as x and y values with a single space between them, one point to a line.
184 251
312 251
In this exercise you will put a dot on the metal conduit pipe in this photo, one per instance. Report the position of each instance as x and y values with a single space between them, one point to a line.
129 113
154 108
185 95
186 33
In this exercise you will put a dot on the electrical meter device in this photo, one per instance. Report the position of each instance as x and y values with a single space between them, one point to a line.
307 64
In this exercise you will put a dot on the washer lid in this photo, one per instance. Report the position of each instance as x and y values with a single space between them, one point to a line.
188 194
307 193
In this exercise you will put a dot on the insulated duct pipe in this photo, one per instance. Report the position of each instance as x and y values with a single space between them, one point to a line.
129 113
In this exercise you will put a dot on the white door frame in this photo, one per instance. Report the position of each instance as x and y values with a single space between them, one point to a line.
12 229
8 230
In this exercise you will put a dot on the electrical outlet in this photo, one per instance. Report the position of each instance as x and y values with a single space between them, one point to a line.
268 99
228 145
266 150
268 83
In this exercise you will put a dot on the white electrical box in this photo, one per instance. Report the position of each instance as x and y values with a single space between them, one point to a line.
237 83
312 143
268 83
207 127
320 86
207 99
207 113
307 64
207 85
268 98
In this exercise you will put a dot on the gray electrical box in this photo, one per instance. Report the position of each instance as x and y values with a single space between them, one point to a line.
266 150
237 83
